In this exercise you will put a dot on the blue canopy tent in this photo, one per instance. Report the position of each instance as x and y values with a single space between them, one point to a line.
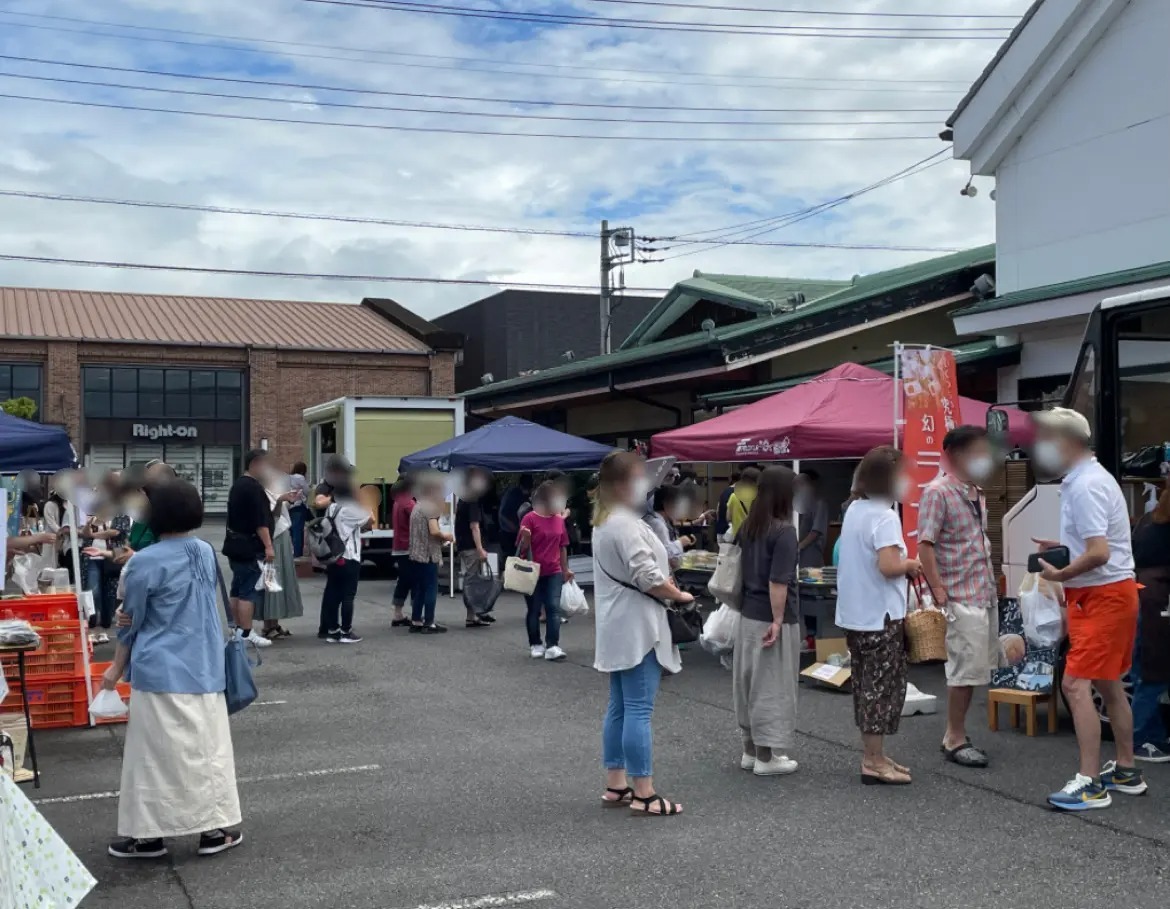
510 445
25 445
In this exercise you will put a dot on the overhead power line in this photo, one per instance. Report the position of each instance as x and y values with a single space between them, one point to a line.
660 25
729 80
858 14
316 102
313 276
219 115
541 102
428 225
912 88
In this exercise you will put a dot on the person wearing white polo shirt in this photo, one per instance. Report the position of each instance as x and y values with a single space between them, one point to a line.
1102 599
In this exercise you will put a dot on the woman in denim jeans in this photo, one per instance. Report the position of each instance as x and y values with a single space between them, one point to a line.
544 537
631 579
426 554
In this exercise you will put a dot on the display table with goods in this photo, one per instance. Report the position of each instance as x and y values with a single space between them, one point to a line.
694 572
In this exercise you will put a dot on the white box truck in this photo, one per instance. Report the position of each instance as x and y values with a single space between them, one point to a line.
374 433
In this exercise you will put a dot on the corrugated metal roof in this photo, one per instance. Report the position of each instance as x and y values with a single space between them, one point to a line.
84 315
1140 275
972 352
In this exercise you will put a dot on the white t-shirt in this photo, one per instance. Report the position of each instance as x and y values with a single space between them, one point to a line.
1092 505
864 595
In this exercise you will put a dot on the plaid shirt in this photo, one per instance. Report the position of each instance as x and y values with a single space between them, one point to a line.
954 523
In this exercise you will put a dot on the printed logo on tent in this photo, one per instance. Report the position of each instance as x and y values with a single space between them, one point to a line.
749 446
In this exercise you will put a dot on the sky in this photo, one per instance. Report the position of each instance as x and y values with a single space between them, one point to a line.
668 180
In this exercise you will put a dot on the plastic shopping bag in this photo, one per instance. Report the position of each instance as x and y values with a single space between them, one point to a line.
268 582
719 631
573 601
108 705
1041 605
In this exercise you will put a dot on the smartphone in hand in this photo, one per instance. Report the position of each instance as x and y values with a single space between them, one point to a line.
1057 557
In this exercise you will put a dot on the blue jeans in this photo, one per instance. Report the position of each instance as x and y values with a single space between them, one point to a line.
1147 709
626 742
425 592
547 596
299 515
95 584
404 583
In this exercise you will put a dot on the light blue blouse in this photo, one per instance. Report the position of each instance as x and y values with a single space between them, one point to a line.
176 637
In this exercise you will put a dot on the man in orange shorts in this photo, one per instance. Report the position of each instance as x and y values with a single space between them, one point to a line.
1102 599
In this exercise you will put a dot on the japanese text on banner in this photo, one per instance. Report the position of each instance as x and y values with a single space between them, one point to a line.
931 393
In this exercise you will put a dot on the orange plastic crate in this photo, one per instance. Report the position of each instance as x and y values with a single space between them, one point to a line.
52 705
61 654
44 607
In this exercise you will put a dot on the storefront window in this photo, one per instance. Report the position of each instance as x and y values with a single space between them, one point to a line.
170 394
21 380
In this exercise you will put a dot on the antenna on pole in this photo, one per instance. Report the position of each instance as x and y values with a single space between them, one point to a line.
617 250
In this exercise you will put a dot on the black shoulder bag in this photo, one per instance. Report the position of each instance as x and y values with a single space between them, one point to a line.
685 624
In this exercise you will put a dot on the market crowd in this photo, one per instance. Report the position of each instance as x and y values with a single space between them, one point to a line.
155 585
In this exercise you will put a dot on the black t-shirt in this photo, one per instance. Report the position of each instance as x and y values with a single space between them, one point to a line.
771 560
248 509
466 514
1151 545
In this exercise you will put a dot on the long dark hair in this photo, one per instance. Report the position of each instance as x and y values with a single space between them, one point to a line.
773 502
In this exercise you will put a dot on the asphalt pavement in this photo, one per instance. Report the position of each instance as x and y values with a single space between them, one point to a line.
454 771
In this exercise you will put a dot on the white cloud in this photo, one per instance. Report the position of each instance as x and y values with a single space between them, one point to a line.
660 187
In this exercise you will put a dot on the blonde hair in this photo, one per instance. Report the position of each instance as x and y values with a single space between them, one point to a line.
615 470
1065 421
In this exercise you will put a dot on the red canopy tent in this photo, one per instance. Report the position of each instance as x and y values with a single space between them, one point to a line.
841 414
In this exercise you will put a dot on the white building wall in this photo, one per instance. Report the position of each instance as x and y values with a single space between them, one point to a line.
1086 190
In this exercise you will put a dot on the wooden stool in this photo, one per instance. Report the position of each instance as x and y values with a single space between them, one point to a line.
1015 700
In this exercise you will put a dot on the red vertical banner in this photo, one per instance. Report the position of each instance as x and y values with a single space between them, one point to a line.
930 391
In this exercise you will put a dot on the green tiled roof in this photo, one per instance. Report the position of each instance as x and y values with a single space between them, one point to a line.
859 289
972 352
747 292
1068 288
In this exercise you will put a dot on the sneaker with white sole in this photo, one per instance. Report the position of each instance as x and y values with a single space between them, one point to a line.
778 766
537 652
554 654
219 841
747 762
1153 754
252 638
138 849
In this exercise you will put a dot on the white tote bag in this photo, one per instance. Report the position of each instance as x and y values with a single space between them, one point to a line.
521 575
726 583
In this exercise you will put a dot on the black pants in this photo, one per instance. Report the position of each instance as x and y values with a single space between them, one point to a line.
341 583
405 582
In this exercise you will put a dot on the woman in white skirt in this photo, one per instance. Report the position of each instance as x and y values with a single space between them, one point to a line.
178 768
766 659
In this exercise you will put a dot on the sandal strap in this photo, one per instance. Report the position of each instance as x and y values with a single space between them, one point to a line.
663 810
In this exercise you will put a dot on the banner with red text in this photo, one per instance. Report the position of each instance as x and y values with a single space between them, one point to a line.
930 390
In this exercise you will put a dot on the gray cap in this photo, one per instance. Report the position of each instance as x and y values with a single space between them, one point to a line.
338 463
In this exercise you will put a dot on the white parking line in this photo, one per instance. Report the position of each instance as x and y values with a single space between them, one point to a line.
268 703
271 778
494 901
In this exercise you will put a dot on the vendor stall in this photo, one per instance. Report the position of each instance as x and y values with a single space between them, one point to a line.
509 445
25 445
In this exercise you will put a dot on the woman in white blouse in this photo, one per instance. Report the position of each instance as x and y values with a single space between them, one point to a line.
631 579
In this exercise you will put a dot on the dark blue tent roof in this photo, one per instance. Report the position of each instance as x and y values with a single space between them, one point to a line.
510 445
25 445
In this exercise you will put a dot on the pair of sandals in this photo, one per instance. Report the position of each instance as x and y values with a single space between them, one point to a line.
651 806
277 632
891 774
965 755
481 621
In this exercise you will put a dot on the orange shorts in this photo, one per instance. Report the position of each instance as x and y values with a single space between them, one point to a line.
1102 626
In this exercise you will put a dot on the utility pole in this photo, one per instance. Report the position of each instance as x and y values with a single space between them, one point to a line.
617 250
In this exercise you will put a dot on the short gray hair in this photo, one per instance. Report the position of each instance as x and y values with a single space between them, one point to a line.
1065 421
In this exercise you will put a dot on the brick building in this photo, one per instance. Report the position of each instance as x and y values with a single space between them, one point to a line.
197 380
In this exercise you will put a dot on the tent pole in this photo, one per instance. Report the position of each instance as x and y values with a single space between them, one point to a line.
78 582
897 390
795 510
451 547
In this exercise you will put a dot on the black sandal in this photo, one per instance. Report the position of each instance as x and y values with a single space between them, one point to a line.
665 808
476 623
282 632
624 797
399 623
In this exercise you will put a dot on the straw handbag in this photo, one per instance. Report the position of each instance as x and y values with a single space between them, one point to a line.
926 629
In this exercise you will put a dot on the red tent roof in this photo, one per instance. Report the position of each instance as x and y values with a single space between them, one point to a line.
841 414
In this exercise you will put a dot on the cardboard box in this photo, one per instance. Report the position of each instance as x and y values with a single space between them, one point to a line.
829 675
826 647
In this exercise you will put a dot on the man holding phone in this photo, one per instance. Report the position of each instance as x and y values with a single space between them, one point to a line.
956 562
1102 599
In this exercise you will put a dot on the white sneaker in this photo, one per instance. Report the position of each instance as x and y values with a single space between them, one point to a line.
779 765
747 762
537 652
554 654
258 639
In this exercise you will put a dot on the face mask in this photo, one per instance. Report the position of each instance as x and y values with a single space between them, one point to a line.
1049 457
478 487
980 468
558 505
677 513
902 489
745 494
639 489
